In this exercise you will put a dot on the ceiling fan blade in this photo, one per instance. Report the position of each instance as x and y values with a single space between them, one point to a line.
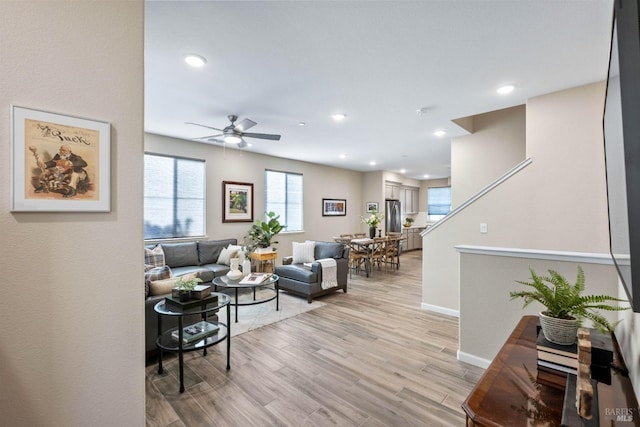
263 136
204 126
245 124
209 136
218 141
242 144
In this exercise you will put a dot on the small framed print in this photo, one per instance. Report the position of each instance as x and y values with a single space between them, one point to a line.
59 163
334 207
237 201
372 207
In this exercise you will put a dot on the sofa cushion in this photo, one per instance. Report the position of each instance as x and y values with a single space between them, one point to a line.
164 286
204 273
209 250
303 252
297 272
154 257
226 255
328 250
180 254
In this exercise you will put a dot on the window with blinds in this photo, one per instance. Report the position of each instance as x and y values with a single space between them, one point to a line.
174 197
438 202
283 195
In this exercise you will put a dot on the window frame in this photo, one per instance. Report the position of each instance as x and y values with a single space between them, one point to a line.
176 200
285 219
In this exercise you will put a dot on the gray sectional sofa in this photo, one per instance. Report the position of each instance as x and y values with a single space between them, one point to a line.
182 258
304 281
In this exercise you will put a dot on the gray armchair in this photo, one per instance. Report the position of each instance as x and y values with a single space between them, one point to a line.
304 281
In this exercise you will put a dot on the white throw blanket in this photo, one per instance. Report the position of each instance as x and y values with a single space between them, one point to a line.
329 272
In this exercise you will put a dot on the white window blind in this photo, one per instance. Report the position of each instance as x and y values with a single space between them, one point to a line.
283 195
174 197
438 202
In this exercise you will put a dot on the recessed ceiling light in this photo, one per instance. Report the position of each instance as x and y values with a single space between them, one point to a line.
302 124
338 117
372 163
343 156
506 89
439 133
195 60
425 175
403 171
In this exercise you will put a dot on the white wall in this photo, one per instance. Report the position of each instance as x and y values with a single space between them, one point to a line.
496 145
72 336
556 203
243 166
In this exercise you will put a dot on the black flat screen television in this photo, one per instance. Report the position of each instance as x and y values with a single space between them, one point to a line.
621 126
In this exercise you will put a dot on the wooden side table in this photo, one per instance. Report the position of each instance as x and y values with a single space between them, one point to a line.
264 260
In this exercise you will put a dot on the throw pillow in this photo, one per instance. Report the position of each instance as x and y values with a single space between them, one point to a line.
158 273
164 286
154 257
303 252
226 255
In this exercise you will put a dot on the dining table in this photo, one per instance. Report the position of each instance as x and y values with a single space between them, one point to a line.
366 244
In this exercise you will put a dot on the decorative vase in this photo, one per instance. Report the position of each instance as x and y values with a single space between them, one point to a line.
235 273
559 331
246 266
372 232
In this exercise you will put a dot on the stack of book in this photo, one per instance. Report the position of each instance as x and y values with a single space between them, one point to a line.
556 361
196 332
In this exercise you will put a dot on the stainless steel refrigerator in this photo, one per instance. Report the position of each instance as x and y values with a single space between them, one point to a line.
393 216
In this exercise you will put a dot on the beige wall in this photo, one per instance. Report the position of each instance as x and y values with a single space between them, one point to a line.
237 165
496 145
556 203
72 336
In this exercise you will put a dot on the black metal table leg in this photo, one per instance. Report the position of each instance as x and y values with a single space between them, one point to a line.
180 355
277 295
236 304
229 336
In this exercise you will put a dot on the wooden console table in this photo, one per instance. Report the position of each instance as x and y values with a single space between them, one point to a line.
508 394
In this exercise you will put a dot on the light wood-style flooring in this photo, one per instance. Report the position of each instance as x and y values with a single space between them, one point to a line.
370 357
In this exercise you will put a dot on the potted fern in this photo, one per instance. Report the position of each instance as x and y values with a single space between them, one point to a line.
565 305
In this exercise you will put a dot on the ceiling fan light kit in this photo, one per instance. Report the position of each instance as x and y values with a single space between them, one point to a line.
235 133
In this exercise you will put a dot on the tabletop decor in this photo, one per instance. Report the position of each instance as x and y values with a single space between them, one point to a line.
237 201
59 163
566 307
373 220
261 233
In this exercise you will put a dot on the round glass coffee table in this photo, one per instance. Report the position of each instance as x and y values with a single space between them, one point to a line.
268 291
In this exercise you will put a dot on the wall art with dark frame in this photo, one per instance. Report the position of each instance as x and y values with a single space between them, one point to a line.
237 201
60 163
334 207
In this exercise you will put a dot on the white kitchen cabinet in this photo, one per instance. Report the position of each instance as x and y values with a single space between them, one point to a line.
392 191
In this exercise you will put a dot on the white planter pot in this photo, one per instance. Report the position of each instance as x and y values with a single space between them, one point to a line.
263 250
559 331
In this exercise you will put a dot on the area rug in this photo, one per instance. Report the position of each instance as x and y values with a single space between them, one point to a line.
252 317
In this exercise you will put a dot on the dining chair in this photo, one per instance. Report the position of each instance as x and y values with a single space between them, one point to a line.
391 252
359 235
377 252
357 258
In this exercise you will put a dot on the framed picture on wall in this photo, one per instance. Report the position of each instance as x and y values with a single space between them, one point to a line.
59 163
237 201
334 207
372 206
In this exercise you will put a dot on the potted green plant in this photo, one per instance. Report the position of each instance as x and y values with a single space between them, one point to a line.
373 220
565 305
408 221
185 286
261 233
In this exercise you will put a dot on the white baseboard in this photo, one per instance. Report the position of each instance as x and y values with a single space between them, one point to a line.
473 360
441 310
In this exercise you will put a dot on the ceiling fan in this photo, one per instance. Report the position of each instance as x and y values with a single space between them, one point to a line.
234 133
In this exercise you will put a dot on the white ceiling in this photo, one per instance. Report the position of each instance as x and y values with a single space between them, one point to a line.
281 63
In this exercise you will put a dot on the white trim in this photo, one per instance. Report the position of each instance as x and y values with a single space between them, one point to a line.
583 257
440 310
473 360
514 170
